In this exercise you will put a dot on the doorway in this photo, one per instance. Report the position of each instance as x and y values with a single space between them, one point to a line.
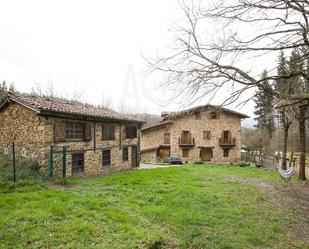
206 154
134 156
164 152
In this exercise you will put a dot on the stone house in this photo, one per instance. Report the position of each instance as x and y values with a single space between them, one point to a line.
97 140
204 133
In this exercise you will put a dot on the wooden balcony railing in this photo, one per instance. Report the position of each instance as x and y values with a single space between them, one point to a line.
227 141
186 140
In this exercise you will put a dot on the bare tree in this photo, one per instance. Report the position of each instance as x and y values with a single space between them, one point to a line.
212 52
106 101
286 124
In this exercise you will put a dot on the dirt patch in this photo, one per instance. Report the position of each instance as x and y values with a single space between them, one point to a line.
291 197
61 186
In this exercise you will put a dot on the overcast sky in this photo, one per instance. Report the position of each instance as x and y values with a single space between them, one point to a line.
93 47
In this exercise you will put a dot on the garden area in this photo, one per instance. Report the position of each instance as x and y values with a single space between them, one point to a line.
193 206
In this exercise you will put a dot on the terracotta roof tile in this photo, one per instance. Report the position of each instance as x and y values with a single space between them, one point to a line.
172 115
157 125
43 104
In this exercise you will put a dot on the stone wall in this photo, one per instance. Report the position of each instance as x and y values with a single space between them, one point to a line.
226 121
154 137
22 126
93 148
33 136
149 156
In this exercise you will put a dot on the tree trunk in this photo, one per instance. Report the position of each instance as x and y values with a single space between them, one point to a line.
286 126
302 143
292 159
285 146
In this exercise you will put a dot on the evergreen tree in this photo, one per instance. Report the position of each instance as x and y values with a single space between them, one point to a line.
296 63
12 87
263 109
281 85
3 89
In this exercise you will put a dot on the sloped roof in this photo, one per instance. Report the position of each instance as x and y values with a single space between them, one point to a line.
167 117
172 115
155 126
56 106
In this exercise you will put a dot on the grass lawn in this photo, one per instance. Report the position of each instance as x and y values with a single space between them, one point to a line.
193 206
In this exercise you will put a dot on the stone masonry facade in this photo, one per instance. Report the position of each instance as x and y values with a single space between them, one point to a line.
34 135
205 134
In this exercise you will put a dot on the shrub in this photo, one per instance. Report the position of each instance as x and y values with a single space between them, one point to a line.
26 169
198 162
60 181
243 164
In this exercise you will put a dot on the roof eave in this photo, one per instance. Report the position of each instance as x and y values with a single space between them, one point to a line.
8 98
66 115
192 110
156 126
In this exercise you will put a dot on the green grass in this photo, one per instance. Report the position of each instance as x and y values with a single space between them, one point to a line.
193 206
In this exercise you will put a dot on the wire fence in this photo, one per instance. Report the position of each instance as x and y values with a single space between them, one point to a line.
15 167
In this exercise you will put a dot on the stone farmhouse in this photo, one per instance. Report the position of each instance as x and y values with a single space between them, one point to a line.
98 140
204 133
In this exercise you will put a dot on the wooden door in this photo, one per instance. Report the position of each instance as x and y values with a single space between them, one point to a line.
205 154
186 137
163 153
227 138
134 156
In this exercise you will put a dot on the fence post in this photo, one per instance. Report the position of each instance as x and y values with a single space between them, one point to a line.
64 161
51 161
14 163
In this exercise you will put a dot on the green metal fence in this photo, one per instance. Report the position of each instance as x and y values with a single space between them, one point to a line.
55 163
15 167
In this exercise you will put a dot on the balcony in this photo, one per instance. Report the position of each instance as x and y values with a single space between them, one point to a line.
186 140
227 142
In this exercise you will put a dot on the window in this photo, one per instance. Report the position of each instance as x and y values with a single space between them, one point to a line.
77 163
225 152
185 153
131 132
167 139
125 154
106 157
213 115
108 132
206 135
197 115
74 130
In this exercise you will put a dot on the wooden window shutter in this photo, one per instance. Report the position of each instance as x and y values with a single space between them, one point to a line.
113 131
123 132
59 132
88 132
127 132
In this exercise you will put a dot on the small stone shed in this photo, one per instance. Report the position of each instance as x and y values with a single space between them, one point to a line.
98 140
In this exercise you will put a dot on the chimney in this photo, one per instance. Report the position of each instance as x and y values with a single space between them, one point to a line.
165 114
